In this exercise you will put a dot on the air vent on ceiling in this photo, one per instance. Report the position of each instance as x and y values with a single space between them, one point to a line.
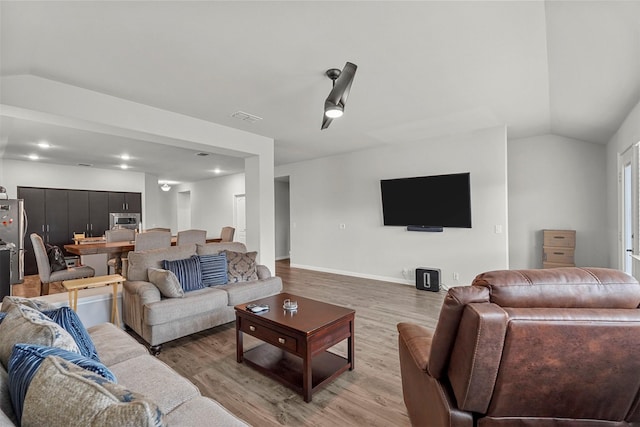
241 115
88 165
202 154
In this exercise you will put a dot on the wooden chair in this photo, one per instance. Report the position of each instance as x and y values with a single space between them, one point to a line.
226 235
44 267
192 236
118 235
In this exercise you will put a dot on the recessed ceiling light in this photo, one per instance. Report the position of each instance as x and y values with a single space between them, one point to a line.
125 157
123 166
217 170
33 156
44 144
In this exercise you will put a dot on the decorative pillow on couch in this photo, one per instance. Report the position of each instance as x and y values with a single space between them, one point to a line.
26 360
187 271
214 269
26 325
87 399
166 282
241 266
39 305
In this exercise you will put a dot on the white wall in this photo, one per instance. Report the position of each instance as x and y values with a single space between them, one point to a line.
211 202
556 183
345 189
282 219
627 135
36 174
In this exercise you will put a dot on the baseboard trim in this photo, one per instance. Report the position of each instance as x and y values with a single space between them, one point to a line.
280 258
353 274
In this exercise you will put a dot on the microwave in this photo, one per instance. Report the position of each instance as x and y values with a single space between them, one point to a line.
124 220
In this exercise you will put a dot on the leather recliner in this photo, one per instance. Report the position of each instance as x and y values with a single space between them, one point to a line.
537 348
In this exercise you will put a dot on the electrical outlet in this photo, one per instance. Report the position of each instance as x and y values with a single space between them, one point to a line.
456 276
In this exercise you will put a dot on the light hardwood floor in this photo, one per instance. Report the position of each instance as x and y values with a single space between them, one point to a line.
370 395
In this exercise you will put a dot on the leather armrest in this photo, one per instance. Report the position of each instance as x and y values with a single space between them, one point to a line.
418 340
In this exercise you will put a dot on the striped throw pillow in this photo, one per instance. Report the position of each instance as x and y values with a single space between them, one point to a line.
187 271
214 269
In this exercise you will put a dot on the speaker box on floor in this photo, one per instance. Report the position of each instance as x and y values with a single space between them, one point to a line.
428 279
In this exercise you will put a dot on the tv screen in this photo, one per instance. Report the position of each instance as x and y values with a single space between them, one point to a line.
432 201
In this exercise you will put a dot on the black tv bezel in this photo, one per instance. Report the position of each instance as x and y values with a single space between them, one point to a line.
467 224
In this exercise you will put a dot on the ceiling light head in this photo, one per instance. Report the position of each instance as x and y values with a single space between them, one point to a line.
44 144
33 156
165 187
217 171
333 111
125 157
123 166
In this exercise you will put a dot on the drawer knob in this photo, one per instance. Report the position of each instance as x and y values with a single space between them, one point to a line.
252 328
281 340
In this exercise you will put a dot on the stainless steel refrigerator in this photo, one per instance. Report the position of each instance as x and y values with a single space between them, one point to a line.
12 233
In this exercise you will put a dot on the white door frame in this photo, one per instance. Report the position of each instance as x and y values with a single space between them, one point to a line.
628 214
241 229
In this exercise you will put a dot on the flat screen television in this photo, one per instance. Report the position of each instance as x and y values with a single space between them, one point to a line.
428 201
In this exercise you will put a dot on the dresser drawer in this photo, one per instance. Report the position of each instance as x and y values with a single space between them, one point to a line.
268 335
560 238
558 255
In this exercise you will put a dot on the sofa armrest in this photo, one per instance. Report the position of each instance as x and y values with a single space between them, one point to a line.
418 341
263 272
147 292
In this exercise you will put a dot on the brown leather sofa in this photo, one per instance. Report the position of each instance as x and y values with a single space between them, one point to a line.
537 348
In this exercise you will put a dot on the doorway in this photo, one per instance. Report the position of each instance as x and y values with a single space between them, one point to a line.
629 189
184 210
240 218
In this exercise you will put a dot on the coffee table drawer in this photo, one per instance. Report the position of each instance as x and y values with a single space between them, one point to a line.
268 335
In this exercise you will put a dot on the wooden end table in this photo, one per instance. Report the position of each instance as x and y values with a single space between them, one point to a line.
73 286
296 342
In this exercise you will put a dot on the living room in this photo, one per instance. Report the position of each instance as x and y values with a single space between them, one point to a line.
541 130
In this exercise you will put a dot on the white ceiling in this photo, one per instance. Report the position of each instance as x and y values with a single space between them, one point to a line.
425 69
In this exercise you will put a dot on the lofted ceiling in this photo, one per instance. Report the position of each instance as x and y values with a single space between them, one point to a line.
425 69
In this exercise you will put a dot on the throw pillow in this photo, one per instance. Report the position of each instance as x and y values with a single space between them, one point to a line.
2 315
70 322
166 282
241 266
26 325
187 271
56 258
26 360
5 398
214 269
39 305
62 394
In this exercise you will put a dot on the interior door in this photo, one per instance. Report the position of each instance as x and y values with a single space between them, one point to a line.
240 218
629 201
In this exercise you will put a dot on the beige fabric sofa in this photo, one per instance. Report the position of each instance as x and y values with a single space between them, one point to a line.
158 320
135 369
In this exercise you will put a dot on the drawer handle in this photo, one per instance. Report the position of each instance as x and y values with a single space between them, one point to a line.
558 237
281 340
252 328
558 253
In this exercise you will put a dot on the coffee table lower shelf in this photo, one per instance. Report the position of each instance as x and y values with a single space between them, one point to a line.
286 368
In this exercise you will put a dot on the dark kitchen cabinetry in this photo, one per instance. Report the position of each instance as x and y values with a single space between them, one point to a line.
55 214
125 202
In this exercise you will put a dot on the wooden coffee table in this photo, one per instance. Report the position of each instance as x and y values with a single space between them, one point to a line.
295 349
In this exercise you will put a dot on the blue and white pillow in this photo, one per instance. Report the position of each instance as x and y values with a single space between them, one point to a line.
70 322
187 271
2 316
214 269
26 360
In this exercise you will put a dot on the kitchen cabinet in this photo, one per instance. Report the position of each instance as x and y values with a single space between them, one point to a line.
125 202
98 213
78 208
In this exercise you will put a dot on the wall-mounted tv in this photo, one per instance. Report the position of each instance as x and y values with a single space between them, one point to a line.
428 201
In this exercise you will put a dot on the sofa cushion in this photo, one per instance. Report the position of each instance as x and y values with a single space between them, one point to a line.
239 293
96 401
5 399
194 411
27 358
214 269
241 267
26 325
193 303
140 262
113 345
69 320
144 374
187 271
166 282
